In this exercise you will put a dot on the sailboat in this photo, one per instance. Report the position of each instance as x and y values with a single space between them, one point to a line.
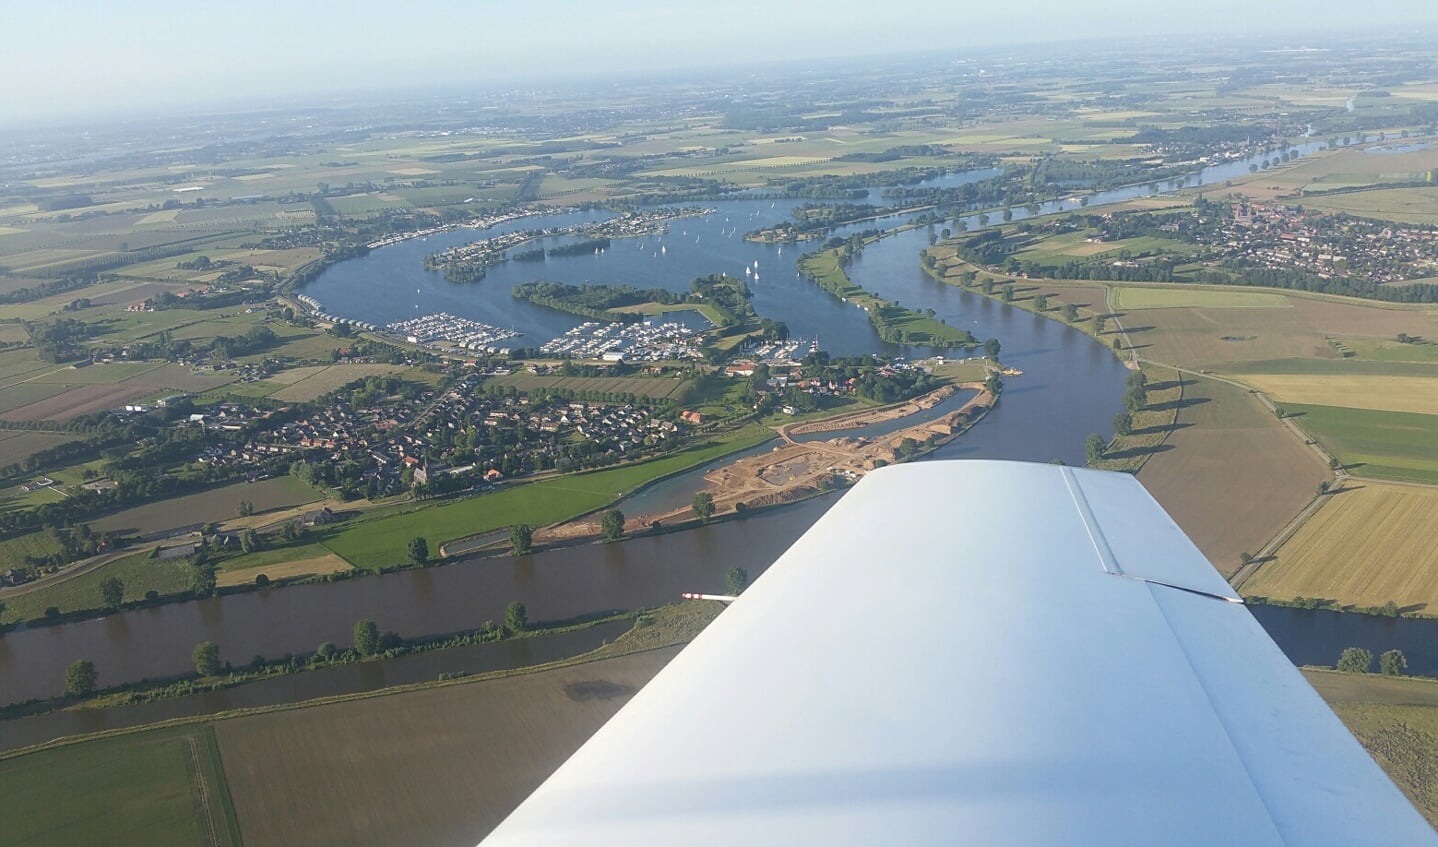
663 249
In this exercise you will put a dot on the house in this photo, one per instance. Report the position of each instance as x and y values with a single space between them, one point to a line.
691 417
318 517
492 475
15 577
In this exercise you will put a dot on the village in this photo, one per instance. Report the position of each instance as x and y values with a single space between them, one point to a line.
1288 238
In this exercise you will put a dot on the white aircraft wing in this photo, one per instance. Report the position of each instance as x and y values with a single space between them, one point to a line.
986 653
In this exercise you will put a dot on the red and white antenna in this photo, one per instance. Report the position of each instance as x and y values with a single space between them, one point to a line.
722 598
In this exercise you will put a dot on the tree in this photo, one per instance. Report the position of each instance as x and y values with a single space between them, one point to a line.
1008 292
736 579
1070 312
112 592
521 537
326 650
992 348
1393 663
207 658
246 508
612 524
418 550
516 617
203 579
366 636
1355 660
2 615
1041 302
1100 323
1122 423
1094 445
250 541
994 384
80 678
704 506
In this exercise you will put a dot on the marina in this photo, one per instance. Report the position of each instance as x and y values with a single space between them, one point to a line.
612 342
442 328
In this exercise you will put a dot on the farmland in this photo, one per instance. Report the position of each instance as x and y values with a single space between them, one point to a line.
138 571
17 446
1404 205
216 504
1411 394
1369 544
1387 445
657 389
164 787
1396 720
382 541
1230 475
445 768
1126 297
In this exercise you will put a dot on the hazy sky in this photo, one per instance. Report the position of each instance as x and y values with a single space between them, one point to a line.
73 56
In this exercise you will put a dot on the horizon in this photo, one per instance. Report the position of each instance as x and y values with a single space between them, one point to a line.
245 62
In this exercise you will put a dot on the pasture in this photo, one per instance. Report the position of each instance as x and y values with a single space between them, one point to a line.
439 765
1126 297
215 504
1403 739
322 381
377 542
1402 205
654 388
1385 445
1231 475
159 788
138 571
1368 544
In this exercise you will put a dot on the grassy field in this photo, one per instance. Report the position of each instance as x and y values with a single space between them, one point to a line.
1167 298
1231 475
437 766
139 572
1396 721
1382 445
657 388
1403 205
216 504
17 446
164 787
1369 544
1412 394
328 379
919 329
383 541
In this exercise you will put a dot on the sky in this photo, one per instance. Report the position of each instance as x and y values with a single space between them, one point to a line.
80 56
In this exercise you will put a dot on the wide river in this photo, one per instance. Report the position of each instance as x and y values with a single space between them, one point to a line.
1071 386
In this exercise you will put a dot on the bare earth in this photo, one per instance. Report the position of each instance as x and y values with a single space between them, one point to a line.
794 470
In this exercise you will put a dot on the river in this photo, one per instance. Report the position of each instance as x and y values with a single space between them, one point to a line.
1071 386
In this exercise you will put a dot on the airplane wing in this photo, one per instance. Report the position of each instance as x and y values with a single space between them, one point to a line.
977 652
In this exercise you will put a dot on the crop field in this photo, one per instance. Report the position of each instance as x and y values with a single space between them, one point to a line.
17 446
1392 351
138 571
1369 544
281 564
381 541
657 388
1385 445
328 379
24 393
436 766
97 374
216 504
158 788
1201 337
1167 298
80 400
1404 741
1413 394
1404 205
1232 476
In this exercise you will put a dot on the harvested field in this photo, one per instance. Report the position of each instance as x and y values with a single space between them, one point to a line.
216 504
1206 337
1166 298
25 393
330 378
18 446
1417 395
657 388
1386 445
327 563
1231 475
157 788
1369 544
97 374
183 378
1404 205
78 401
437 766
